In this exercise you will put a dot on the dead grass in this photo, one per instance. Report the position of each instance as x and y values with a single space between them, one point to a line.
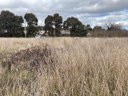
83 67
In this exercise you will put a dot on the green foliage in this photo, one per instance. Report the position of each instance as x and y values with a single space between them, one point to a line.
10 24
88 27
57 23
31 31
75 26
97 28
53 25
31 19
32 22
48 25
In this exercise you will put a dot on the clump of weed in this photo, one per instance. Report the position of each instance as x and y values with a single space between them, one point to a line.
31 58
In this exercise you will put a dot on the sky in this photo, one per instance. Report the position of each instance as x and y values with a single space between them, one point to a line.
93 12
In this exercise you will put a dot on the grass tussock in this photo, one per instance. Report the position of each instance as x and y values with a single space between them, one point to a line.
79 67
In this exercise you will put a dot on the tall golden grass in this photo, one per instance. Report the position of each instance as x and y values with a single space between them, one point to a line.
85 67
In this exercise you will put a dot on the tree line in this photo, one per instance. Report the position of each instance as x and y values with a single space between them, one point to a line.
11 25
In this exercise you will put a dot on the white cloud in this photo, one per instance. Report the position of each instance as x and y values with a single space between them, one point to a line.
6 2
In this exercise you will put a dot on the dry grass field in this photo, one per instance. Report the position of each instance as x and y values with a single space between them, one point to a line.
64 67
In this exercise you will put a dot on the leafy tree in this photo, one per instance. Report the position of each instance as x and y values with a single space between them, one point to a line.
10 25
89 27
57 21
53 25
49 25
17 29
32 23
98 28
31 19
75 26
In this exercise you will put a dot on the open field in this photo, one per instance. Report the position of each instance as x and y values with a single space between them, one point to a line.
64 67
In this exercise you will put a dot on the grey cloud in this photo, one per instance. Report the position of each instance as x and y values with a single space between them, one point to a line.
88 11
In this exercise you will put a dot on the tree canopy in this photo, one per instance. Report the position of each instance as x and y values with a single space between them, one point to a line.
75 26
32 23
53 24
10 24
